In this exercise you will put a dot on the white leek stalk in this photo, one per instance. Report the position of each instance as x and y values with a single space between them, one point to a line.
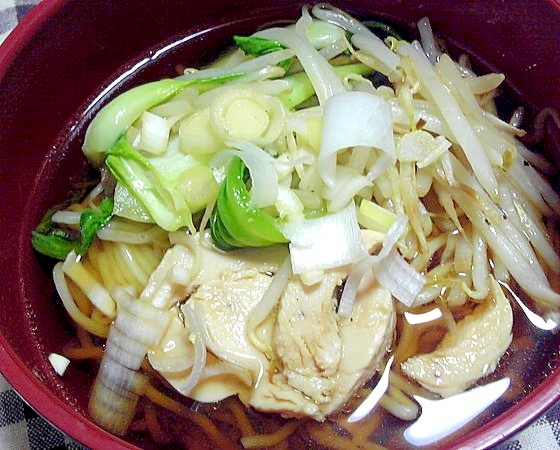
326 242
140 324
354 119
96 293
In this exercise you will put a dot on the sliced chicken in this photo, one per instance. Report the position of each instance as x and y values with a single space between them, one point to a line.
174 358
468 353
321 357
222 294
316 358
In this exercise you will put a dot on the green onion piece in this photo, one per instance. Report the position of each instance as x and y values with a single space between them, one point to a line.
54 244
375 217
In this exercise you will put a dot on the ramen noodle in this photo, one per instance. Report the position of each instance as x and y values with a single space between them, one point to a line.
321 216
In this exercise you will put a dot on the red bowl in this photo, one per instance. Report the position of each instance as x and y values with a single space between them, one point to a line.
67 57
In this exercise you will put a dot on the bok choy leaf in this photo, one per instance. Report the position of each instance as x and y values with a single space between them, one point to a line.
55 242
301 88
257 46
234 224
115 117
156 194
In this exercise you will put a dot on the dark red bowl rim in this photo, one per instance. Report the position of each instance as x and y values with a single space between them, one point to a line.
67 420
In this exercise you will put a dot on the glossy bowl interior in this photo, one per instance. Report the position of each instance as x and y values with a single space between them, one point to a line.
68 57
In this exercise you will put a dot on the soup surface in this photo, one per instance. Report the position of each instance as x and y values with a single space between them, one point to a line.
162 414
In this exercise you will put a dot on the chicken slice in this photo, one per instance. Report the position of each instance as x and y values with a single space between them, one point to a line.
316 358
225 291
321 357
323 361
468 353
223 305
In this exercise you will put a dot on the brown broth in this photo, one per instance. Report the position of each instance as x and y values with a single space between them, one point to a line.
532 356
385 429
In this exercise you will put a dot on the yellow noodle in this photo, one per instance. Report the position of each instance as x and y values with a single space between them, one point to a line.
201 420
122 262
83 352
241 418
399 405
268 440
80 299
121 272
361 431
87 265
132 232
69 304
100 259
147 257
131 261
326 436
99 317
153 426
107 260
407 344
398 395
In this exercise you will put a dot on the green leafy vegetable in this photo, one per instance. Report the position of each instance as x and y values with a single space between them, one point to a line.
93 220
383 30
234 224
114 118
302 89
164 203
256 46
56 243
